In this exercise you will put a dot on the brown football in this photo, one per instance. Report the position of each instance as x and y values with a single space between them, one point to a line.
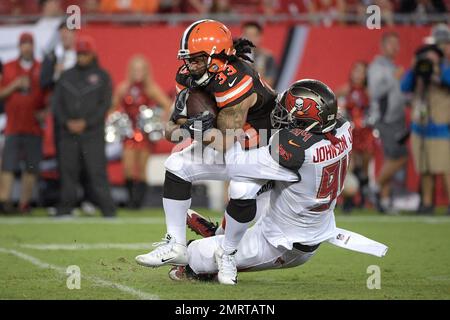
200 101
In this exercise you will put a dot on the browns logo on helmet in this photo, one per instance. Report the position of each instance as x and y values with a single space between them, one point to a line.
309 105
205 39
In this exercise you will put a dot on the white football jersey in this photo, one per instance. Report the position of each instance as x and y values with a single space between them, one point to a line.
304 211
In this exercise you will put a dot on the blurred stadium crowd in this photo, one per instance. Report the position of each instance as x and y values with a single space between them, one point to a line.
67 95
320 11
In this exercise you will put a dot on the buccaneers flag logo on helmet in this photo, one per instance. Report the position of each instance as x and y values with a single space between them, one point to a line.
303 108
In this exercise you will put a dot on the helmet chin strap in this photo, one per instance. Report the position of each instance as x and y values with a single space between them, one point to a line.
311 126
203 79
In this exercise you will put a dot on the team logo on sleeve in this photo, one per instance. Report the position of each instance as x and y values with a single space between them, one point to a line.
286 155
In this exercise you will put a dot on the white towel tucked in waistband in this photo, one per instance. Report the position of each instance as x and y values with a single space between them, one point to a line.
356 242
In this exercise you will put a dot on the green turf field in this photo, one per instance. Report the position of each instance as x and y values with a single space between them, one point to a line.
36 251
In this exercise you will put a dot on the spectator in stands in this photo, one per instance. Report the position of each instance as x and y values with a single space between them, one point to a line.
354 102
422 6
24 106
327 12
387 113
429 82
138 89
86 6
387 9
90 6
81 100
19 7
220 7
196 6
51 8
355 11
263 60
292 7
132 6
170 6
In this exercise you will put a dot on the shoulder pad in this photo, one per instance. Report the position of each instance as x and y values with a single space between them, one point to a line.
288 147
286 150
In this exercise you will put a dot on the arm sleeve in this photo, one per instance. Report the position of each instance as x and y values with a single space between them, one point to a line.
47 71
98 117
407 83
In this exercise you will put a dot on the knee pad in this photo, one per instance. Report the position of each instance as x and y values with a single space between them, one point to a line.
176 188
242 211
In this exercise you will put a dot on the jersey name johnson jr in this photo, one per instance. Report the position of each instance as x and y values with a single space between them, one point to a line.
328 152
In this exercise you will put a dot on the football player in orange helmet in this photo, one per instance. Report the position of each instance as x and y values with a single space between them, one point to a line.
202 44
220 67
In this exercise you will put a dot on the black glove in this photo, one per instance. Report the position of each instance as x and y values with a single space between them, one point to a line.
206 119
180 110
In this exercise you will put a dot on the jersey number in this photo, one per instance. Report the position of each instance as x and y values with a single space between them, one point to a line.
223 76
332 183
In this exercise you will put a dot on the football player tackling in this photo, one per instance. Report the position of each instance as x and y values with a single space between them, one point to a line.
314 148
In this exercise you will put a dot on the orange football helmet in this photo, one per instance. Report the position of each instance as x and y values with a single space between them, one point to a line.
207 37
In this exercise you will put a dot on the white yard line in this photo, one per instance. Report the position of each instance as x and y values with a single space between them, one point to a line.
70 220
104 283
88 246
161 220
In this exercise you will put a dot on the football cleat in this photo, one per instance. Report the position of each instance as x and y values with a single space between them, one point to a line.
226 264
200 225
167 252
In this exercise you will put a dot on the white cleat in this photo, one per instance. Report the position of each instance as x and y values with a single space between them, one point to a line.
167 252
226 264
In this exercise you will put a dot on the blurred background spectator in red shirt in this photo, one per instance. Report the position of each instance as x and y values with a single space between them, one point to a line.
24 104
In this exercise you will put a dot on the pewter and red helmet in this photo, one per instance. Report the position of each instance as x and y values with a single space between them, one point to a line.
309 105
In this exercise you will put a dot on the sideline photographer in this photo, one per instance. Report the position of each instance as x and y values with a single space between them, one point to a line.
428 81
